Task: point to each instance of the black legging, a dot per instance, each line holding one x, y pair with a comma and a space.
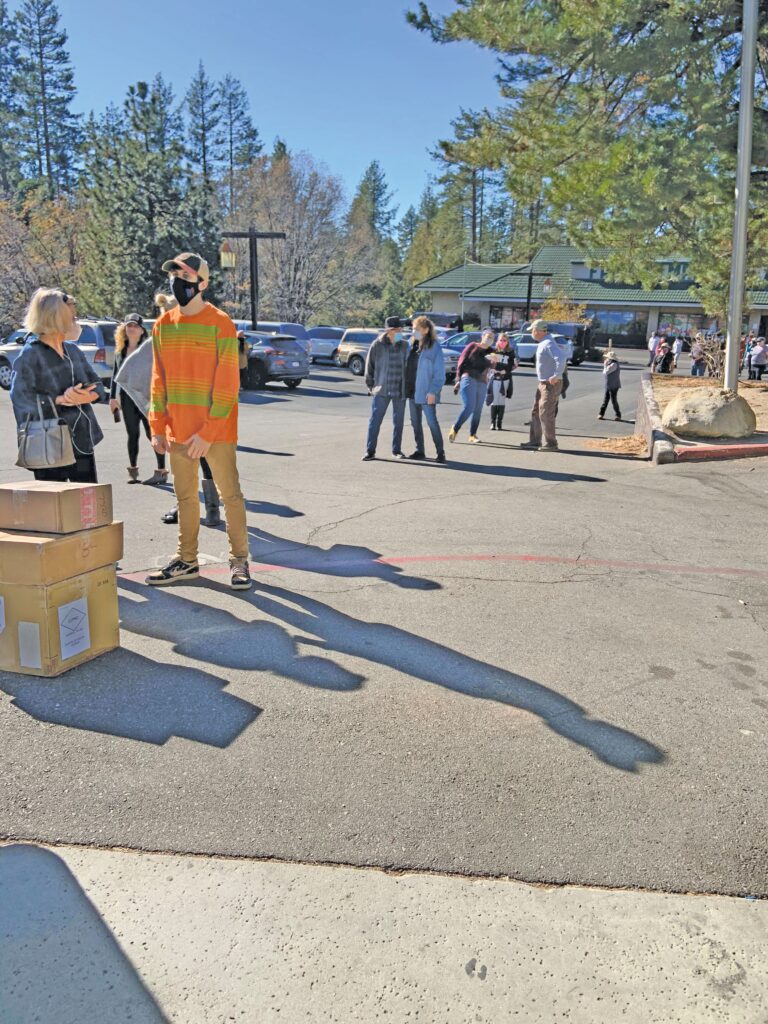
207, 474
134, 421
83, 471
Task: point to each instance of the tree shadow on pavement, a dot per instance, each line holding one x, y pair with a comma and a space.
420, 658
129, 695
509, 471
347, 561
214, 636
59, 961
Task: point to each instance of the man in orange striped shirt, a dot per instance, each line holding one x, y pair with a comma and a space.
193, 415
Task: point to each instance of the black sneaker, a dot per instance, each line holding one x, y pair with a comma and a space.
175, 572
440, 457
369, 456
240, 574
530, 444
398, 455
417, 455
171, 517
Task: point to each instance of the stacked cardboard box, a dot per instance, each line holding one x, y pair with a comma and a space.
58, 585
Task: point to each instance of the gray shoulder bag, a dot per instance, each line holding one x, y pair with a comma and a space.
44, 443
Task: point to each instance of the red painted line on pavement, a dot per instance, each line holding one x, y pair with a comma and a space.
327, 567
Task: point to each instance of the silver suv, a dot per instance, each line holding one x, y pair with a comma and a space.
353, 348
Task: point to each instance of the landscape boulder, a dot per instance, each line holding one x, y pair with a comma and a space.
709, 412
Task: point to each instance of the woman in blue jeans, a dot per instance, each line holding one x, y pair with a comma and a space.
471, 374
429, 380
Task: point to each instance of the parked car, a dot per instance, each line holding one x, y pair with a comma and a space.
297, 331
451, 358
278, 357
526, 346
353, 348
460, 341
579, 334
324, 342
97, 342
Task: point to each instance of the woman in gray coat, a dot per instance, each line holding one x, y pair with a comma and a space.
612, 377
430, 378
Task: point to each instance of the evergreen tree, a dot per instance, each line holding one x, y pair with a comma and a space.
241, 142
406, 230
373, 200
50, 132
9, 104
279, 149
204, 128
138, 198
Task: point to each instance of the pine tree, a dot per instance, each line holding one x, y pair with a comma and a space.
373, 200
9, 103
406, 230
204, 132
50, 132
139, 199
241, 140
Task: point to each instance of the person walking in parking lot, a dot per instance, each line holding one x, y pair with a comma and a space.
193, 413
385, 380
612, 379
551, 360
471, 383
500, 381
128, 336
427, 365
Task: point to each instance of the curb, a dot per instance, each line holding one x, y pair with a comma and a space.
711, 452
661, 447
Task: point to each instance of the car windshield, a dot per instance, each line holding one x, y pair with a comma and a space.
89, 336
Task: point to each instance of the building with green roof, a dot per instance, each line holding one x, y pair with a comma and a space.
495, 294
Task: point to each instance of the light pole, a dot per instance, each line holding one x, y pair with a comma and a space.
743, 172
227, 257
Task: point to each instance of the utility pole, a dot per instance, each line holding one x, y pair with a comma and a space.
743, 173
253, 253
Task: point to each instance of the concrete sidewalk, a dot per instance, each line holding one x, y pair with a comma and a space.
95, 937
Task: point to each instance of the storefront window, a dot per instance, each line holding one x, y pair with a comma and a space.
618, 321
684, 323
506, 318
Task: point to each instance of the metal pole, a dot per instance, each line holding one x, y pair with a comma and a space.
252, 242
529, 296
743, 172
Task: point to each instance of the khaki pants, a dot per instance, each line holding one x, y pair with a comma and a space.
186, 475
544, 412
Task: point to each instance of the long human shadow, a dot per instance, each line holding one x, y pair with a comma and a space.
59, 961
348, 561
423, 659
217, 637
129, 695
269, 508
314, 392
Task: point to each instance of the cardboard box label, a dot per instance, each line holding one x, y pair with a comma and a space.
88, 514
30, 655
2, 613
74, 628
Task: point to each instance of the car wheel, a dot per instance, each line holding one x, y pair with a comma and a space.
257, 376
334, 357
6, 372
356, 365
293, 383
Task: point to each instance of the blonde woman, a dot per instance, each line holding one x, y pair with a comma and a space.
128, 337
53, 368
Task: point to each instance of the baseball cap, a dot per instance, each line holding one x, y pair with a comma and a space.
189, 261
134, 318
539, 325
392, 322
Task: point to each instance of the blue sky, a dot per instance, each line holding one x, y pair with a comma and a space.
347, 80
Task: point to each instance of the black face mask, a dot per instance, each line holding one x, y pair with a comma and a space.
184, 291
